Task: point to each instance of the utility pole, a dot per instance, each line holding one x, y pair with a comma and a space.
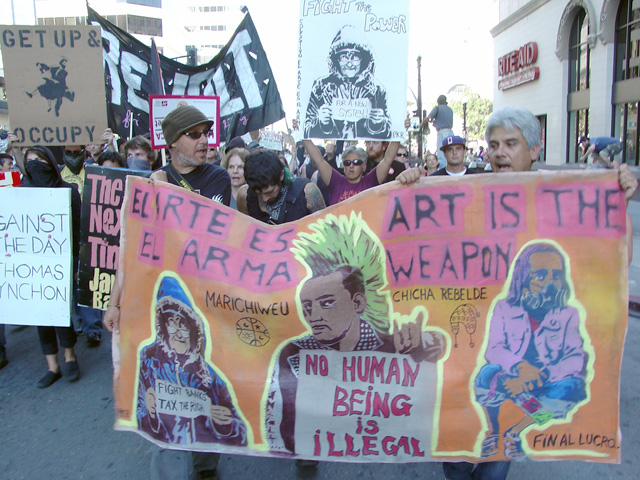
420, 109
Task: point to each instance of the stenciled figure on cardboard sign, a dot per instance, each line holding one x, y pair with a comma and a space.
346, 307
536, 348
173, 370
349, 102
54, 86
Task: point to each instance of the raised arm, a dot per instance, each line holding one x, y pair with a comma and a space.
325, 170
382, 170
16, 151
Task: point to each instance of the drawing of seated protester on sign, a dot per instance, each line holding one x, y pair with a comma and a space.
181, 399
346, 308
537, 349
349, 102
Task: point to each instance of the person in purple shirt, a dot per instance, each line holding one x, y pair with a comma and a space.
354, 160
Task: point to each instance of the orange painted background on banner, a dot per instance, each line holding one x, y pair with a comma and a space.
459, 219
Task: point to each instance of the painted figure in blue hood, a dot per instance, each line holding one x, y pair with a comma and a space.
181, 398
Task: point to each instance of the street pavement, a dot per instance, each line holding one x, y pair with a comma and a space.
66, 431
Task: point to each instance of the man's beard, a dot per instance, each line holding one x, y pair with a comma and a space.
187, 161
538, 303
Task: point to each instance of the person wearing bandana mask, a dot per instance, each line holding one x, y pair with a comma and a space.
88, 320
73, 171
41, 170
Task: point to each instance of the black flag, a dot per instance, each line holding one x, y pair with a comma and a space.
240, 75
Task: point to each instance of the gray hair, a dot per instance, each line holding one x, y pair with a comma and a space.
360, 152
512, 118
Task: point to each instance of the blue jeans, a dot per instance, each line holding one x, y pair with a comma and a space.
442, 134
476, 471
558, 397
88, 318
91, 319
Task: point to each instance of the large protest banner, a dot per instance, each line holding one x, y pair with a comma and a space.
102, 198
36, 267
475, 318
240, 75
360, 91
54, 83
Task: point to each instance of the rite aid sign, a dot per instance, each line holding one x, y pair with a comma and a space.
516, 66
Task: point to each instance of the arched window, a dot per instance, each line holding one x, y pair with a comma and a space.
579, 71
626, 92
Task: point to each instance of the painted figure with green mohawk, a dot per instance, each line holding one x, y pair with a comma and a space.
346, 306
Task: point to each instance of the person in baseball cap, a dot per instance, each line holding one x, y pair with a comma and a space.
453, 148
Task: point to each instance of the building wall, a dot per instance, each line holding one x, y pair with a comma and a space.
548, 23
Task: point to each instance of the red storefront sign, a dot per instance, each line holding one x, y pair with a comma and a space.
516, 63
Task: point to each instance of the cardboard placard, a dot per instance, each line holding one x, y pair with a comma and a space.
55, 83
161, 105
35, 256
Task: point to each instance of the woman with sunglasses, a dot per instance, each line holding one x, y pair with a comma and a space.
41, 170
354, 161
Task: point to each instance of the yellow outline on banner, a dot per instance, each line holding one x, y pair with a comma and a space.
587, 346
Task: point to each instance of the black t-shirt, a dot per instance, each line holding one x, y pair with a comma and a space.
208, 180
396, 169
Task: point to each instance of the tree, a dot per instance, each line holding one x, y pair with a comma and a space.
478, 111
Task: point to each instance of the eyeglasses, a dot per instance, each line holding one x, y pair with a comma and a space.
357, 162
402, 154
196, 135
182, 331
349, 57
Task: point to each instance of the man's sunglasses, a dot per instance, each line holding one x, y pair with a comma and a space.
197, 135
357, 162
402, 154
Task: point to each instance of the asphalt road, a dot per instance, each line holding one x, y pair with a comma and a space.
65, 431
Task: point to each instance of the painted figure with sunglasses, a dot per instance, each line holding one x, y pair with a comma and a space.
350, 80
176, 359
354, 180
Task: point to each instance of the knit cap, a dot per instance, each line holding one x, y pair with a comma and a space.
181, 119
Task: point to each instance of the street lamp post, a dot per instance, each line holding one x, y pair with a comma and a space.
419, 104
465, 100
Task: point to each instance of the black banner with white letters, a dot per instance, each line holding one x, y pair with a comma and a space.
240, 75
